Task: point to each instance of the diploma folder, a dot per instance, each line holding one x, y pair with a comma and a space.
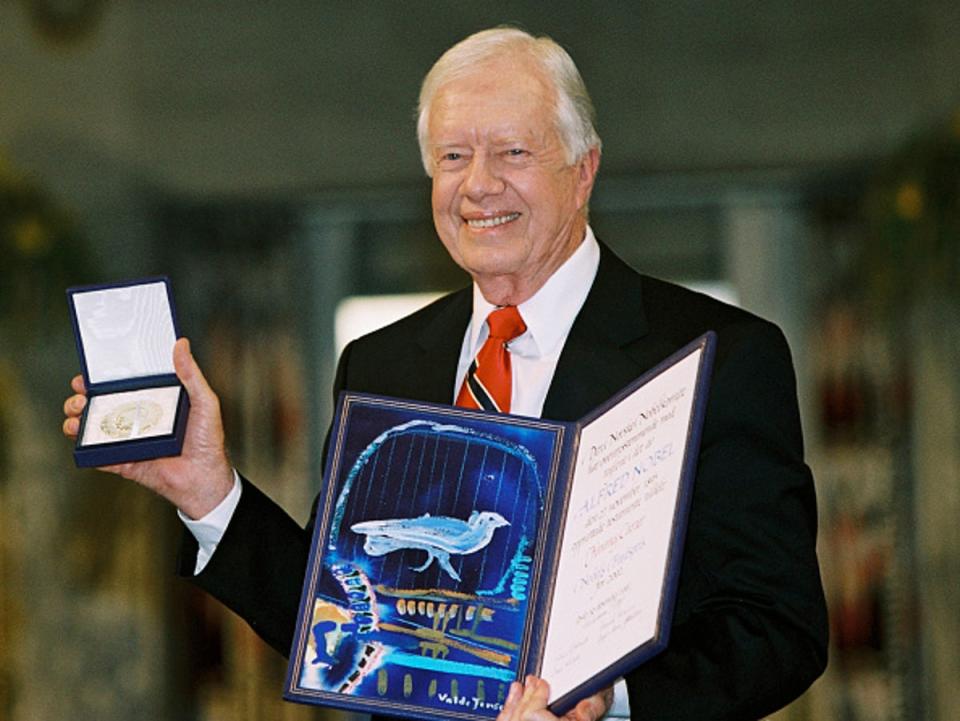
455, 551
136, 406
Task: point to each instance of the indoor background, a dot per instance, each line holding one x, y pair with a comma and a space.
800, 158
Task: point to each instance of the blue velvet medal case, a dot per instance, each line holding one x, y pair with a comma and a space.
136, 408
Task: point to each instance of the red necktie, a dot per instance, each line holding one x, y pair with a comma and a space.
488, 383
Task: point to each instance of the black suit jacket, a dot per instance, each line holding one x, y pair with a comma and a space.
750, 629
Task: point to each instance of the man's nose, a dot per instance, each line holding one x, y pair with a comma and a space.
482, 177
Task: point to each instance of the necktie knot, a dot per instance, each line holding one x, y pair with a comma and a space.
488, 383
505, 323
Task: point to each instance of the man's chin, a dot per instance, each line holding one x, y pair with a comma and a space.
492, 262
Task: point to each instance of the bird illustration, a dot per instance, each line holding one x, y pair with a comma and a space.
439, 536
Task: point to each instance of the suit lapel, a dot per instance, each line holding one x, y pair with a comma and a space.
606, 348
438, 345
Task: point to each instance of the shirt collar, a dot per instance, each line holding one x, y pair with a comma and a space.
550, 313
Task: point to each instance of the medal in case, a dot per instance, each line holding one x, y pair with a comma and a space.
137, 409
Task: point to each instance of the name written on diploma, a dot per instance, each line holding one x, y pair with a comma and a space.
609, 490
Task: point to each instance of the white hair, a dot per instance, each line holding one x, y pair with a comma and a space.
574, 110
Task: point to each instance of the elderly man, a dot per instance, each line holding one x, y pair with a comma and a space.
507, 135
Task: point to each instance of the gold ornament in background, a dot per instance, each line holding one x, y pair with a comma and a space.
42, 251
912, 213
31, 237
909, 201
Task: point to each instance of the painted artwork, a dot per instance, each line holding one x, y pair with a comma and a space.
425, 555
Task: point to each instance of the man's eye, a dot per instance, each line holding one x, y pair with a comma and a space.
515, 152
451, 156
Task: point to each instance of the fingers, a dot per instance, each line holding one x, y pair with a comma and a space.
536, 693
189, 373
512, 701
586, 710
71, 427
73, 407
592, 707
76, 383
527, 702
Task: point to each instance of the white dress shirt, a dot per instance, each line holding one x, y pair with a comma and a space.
549, 315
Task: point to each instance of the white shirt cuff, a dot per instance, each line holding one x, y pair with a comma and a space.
210, 529
621, 703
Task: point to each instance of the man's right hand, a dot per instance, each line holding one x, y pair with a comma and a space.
528, 702
199, 478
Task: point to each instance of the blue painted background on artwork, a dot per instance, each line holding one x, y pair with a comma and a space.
423, 500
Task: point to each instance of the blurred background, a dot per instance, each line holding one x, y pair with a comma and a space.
799, 158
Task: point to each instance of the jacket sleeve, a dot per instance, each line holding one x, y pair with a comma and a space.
750, 628
258, 568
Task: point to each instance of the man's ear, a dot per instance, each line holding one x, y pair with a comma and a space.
587, 168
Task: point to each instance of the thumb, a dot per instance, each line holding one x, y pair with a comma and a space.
189, 373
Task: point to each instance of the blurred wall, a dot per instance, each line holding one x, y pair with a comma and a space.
211, 97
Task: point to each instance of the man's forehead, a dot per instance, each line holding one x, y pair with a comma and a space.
500, 103
496, 81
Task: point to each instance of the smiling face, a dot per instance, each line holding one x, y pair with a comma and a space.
507, 205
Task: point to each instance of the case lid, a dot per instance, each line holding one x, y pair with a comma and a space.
125, 330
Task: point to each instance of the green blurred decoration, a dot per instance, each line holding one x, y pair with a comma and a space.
912, 213
64, 22
43, 251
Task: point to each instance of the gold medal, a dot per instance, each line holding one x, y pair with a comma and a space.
131, 419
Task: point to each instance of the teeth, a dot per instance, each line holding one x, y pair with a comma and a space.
492, 222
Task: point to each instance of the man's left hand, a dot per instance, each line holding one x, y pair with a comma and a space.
528, 702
